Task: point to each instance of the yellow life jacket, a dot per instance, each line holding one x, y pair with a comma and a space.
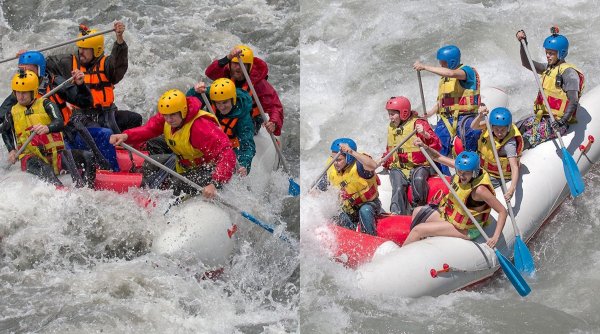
557, 98
355, 190
488, 162
454, 99
188, 157
47, 146
452, 212
403, 158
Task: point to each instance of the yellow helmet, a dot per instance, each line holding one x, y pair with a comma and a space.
247, 55
223, 89
25, 81
173, 101
96, 43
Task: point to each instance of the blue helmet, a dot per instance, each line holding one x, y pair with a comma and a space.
450, 54
34, 58
558, 43
335, 147
500, 117
468, 162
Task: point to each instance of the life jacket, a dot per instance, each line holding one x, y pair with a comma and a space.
64, 107
557, 98
95, 77
47, 146
404, 157
452, 212
355, 190
454, 100
255, 111
488, 162
188, 157
228, 124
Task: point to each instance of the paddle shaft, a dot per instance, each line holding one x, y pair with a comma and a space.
314, 184
63, 43
422, 94
462, 205
207, 103
262, 114
387, 156
541, 89
500, 171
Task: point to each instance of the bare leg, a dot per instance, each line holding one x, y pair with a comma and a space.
434, 226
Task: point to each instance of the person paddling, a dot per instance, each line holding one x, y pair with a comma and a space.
407, 165
353, 173
203, 151
474, 187
563, 84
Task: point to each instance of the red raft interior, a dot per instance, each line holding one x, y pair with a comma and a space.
129, 176
354, 248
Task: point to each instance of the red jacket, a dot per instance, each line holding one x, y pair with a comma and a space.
266, 93
205, 136
418, 157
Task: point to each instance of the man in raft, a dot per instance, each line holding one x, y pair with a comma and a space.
203, 151
457, 102
509, 145
407, 165
562, 83
473, 186
354, 174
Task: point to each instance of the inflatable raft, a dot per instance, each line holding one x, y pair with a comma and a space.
439, 265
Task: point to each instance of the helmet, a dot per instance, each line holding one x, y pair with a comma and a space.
223, 89
247, 55
96, 43
173, 101
449, 54
34, 58
500, 117
558, 43
400, 104
468, 162
25, 81
335, 147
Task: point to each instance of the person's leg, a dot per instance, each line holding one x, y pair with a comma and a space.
150, 172
101, 138
44, 171
399, 204
86, 162
433, 228
445, 139
201, 176
68, 164
158, 145
127, 119
345, 220
90, 141
420, 187
367, 215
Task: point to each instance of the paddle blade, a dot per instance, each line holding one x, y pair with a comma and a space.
513, 275
523, 260
294, 188
574, 179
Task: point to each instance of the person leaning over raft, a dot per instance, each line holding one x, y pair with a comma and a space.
203, 151
457, 102
509, 145
473, 186
562, 83
354, 174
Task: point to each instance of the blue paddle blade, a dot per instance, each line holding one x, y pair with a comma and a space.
513, 275
574, 179
523, 260
294, 188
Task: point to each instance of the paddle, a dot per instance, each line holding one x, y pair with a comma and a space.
572, 174
511, 272
180, 177
63, 43
314, 184
422, 95
294, 188
522, 256
30, 138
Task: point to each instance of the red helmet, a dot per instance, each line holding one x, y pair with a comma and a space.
400, 104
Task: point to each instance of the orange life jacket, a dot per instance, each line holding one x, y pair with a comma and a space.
95, 77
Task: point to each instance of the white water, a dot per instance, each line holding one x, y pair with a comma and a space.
355, 55
81, 261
